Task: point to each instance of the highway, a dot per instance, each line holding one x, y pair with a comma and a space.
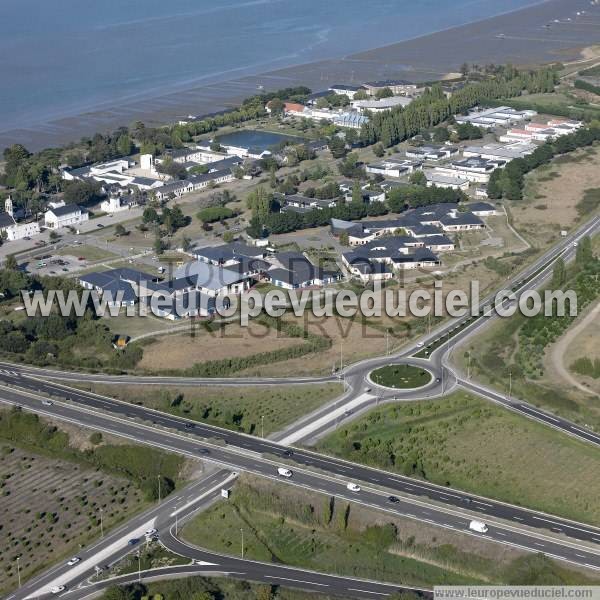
538, 532
574, 542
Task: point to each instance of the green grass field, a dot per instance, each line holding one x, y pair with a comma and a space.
467, 443
401, 377
310, 530
237, 408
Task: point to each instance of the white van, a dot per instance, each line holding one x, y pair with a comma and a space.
478, 526
284, 472
353, 487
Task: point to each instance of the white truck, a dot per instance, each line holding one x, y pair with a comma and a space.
478, 526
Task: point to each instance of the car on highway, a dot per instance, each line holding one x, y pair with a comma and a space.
57, 589
478, 526
283, 472
420, 344
189, 425
393, 499
100, 226
202, 450
133, 541
47, 402
151, 532
74, 561
353, 487
287, 453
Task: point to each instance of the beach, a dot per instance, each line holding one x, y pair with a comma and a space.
547, 32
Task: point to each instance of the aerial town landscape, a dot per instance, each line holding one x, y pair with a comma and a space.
302, 335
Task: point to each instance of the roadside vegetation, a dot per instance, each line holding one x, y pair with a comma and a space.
470, 444
255, 410
146, 467
514, 349
314, 531
57, 486
204, 588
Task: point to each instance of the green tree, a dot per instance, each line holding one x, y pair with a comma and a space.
418, 178
120, 231
344, 238
125, 145
228, 237
386, 92
10, 262
357, 195
559, 274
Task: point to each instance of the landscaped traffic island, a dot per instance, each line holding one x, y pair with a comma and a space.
401, 377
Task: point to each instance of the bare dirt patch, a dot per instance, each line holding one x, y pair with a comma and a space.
182, 350
552, 194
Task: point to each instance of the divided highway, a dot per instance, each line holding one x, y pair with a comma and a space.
538, 532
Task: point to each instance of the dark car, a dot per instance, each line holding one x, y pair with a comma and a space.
393, 499
133, 541
203, 451
288, 453
189, 426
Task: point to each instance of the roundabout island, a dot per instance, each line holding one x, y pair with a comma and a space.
401, 377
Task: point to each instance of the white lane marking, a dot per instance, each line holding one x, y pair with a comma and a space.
540, 413
296, 580
586, 432
367, 592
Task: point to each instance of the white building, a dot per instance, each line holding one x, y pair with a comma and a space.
13, 230
65, 216
393, 167
382, 105
443, 180
345, 90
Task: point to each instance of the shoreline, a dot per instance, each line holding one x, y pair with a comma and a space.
423, 58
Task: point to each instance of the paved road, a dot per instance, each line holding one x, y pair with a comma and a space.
538, 532
456, 507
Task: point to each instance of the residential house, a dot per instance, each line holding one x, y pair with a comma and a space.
68, 215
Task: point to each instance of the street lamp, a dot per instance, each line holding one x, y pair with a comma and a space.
176, 520
158, 478
19, 570
262, 425
139, 557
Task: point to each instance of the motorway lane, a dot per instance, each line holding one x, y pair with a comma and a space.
455, 515
306, 458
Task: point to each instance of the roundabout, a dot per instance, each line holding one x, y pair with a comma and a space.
401, 377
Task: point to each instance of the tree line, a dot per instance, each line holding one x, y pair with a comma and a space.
432, 108
509, 182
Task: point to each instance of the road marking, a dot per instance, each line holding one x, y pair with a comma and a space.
540, 413
586, 432
367, 592
296, 580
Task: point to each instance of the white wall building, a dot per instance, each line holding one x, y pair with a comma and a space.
68, 215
